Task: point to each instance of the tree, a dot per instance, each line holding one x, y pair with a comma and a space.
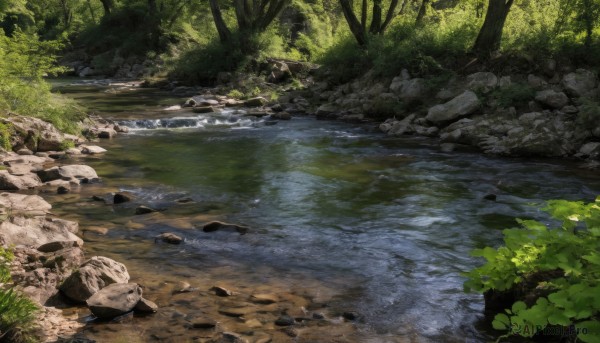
490, 36
377, 26
253, 17
107, 5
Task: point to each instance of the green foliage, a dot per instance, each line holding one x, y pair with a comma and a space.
236, 94
570, 257
5, 134
515, 94
589, 113
16, 311
24, 61
424, 49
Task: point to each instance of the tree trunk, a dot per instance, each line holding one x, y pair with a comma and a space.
222, 29
490, 36
107, 5
376, 17
422, 11
355, 26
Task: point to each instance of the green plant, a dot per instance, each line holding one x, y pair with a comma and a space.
236, 94
559, 268
5, 134
66, 145
515, 94
16, 311
589, 113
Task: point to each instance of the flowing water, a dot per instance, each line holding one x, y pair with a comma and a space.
342, 218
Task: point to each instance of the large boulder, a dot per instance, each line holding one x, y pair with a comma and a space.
114, 300
395, 127
255, 102
279, 71
10, 182
579, 83
93, 275
24, 230
482, 82
552, 98
35, 134
408, 90
590, 150
461, 106
24, 204
76, 172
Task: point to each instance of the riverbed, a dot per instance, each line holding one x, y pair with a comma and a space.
342, 218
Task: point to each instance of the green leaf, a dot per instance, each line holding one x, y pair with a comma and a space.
501, 322
518, 306
589, 331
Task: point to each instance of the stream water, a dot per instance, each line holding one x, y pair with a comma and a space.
342, 218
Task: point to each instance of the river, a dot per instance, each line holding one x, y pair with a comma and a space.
342, 218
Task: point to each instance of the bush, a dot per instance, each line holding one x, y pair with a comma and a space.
16, 311
568, 259
24, 61
515, 94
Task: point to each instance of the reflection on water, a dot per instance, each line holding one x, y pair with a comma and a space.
347, 218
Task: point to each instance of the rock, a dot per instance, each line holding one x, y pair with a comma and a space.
9, 182
535, 81
24, 204
230, 337
221, 291
350, 315
57, 245
122, 197
235, 311
73, 151
77, 172
255, 102
217, 225
106, 133
447, 147
483, 82
145, 306
92, 149
37, 230
87, 71
462, 105
490, 196
203, 323
114, 300
318, 315
63, 190
579, 83
505, 81
35, 134
279, 72
203, 109
24, 151
144, 210
399, 127
264, 299
552, 98
408, 90
285, 320
281, 116
326, 110
169, 237
93, 275
590, 150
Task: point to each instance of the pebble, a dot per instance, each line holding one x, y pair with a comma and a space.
221, 291
285, 320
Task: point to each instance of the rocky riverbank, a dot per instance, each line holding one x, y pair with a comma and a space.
50, 265
553, 111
